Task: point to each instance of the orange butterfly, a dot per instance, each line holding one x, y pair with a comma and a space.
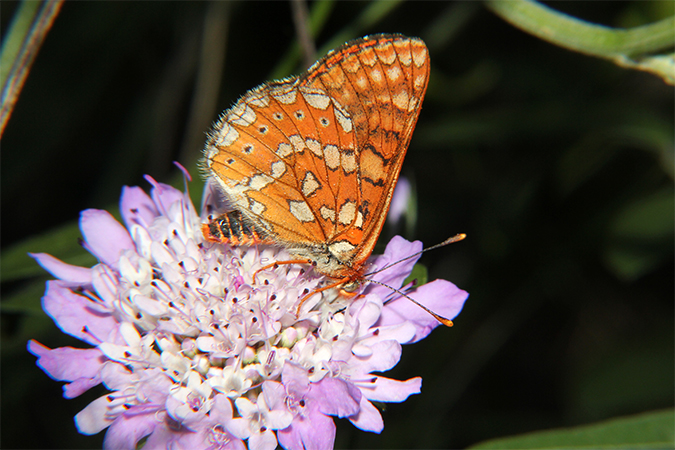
310, 162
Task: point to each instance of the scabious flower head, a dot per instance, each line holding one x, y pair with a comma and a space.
196, 355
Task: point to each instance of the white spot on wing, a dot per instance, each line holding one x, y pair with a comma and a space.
316, 99
259, 181
298, 143
401, 100
258, 99
344, 120
278, 168
419, 81
301, 211
314, 146
241, 114
358, 223
362, 82
327, 213
347, 212
348, 162
284, 94
393, 73
403, 52
309, 184
332, 156
341, 249
256, 207
385, 53
227, 135
284, 149
420, 57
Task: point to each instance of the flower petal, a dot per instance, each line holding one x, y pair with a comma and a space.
368, 418
137, 207
67, 363
440, 296
128, 429
385, 355
313, 431
383, 389
63, 271
72, 314
263, 441
104, 236
93, 418
397, 250
336, 397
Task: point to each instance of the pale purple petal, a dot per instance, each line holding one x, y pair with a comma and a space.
67, 363
263, 441
382, 389
65, 272
104, 236
164, 195
274, 393
128, 429
336, 397
295, 379
137, 207
397, 250
440, 296
80, 386
400, 200
164, 437
93, 418
314, 431
368, 418
72, 314
385, 355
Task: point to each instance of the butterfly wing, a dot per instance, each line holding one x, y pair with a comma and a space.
312, 161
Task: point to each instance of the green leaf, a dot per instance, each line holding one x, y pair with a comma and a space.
641, 235
419, 273
646, 430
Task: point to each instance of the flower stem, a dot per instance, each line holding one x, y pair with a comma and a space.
30, 25
623, 46
585, 37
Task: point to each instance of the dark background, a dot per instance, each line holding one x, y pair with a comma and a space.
557, 165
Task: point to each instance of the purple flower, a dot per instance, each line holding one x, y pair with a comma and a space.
196, 355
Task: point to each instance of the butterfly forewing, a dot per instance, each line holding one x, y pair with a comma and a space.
311, 162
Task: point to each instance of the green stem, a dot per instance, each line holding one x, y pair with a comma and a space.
31, 23
584, 37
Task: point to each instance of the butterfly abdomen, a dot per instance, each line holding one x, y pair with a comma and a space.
231, 228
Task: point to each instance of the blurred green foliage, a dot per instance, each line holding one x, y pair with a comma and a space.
557, 165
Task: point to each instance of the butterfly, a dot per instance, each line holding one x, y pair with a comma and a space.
310, 162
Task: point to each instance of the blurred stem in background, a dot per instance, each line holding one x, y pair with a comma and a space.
631, 48
29, 28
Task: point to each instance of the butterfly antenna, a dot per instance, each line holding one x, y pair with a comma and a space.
450, 240
441, 319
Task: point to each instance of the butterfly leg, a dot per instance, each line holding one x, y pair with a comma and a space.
316, 291
278, 263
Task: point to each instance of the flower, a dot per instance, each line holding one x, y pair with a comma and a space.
197, 355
